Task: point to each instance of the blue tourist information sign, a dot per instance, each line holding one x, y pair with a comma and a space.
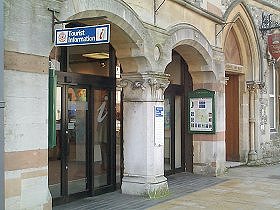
98, 34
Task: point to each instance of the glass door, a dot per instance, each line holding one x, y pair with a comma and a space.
104, 145
77, 130
68, 159
55, 152
168, 147
173, 139
101, 134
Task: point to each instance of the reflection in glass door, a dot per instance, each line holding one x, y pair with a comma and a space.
101, 135
173, 134
82, 153
77, 115
55, 151
119, 146
68, 158
167, 134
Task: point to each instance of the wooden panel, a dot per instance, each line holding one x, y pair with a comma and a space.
232, 118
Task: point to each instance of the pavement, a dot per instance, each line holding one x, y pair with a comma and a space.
247, 188
241, 188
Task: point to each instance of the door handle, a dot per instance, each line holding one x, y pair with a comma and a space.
68, 140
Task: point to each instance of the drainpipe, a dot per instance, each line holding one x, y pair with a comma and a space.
2, 186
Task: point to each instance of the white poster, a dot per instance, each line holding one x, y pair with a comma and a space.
201, 116
159, 125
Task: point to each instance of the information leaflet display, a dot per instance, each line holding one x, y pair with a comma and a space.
201, 112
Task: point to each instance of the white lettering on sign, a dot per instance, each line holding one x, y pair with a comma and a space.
159, 125
81, 39
77, 33
83, 35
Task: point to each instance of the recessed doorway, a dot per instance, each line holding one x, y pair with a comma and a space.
85, 157
178, 145
232, 118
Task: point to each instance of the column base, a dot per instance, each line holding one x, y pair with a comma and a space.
153, 187
209, 169
252, 156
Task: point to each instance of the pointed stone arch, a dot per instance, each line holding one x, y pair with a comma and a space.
243, 68
244, 32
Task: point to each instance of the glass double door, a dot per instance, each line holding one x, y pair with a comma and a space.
83, 159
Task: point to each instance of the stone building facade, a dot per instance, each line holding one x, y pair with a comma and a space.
165, 50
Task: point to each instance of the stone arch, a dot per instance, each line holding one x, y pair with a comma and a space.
133, 39
240, 36
191, 44
243, 28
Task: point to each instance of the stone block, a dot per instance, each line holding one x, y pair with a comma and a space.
145, 186
34, 192
12, 203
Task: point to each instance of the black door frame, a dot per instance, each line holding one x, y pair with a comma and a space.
171, 92
186, 138
64, 138
91, 82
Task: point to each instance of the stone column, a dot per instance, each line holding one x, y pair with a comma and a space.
143, 159
251, 86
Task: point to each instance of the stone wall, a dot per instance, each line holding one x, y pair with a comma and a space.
271, 149
27, 38
269, 142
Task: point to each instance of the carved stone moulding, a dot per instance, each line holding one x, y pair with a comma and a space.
147, 86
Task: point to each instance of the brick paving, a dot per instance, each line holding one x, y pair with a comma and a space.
247, 188
179, 185
242, 188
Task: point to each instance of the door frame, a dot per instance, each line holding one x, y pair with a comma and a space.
188, 143
64, 144
171, 92
187, 138
235, 149
91, 82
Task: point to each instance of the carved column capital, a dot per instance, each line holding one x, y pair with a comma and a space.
253, 86
147, 86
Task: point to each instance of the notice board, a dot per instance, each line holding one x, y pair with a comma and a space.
201, 111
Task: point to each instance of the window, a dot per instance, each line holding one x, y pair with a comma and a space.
272, 97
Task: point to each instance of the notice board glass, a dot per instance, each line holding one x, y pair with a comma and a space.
201, 111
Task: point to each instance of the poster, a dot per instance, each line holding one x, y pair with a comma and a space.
201, 112
159, 125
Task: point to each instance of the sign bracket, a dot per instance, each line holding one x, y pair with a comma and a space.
54, 18
267, 24
56, 21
